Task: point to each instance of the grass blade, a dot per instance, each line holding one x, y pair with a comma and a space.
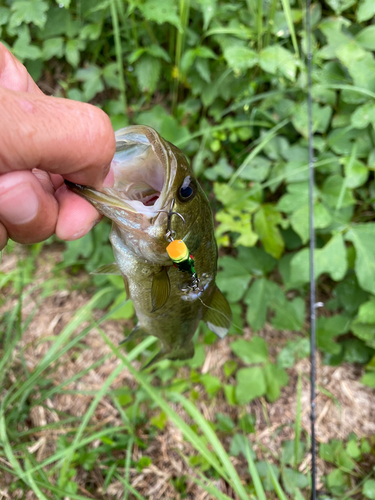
289, 20
215, 443
297, 425
276, 484
266, 139
254, 474
119, 55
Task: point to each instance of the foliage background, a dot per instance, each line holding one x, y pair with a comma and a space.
226, 82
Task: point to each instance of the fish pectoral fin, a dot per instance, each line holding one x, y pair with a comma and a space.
137, 333
108, 269
218, 316
184, 352
160, 289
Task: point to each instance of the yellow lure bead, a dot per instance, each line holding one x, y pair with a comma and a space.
177, 251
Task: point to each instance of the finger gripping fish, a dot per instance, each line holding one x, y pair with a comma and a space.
168, 263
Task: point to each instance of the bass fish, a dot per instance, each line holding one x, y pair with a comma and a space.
163, 241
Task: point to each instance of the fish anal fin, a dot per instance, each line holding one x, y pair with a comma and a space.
137, 333
108, 269
160, 289
218, 316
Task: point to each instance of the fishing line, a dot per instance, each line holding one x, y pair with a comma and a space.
223, 314
313, 304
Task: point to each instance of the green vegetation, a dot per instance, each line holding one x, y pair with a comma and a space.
226, 82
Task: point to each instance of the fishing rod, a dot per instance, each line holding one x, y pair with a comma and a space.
313, 304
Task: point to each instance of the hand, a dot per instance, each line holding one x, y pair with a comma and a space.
43, 140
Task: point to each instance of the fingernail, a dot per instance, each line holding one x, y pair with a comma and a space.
18, 203
109, 180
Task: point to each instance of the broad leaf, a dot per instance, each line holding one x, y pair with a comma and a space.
363, 238
251, 384
266, 221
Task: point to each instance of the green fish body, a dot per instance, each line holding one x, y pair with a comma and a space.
151, 176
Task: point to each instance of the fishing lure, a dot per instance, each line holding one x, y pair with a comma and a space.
179, 253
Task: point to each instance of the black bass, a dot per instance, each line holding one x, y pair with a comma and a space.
168, 262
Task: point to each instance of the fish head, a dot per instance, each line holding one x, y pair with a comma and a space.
152, 177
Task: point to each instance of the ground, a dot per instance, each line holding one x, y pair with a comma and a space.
343, 407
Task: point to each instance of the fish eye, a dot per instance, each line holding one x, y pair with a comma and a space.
187, 190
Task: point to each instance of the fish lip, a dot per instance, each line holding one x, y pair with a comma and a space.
105, 197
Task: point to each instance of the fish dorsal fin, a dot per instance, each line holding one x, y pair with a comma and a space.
218, 316
108, 269
160, 289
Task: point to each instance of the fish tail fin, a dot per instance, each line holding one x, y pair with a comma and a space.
137, 333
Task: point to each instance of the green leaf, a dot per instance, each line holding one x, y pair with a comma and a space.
261, 295
124, 312
234, 278
23, 49
293, 479
349, 294
208, 8
369, 380
165, 12
321, 118
253, 351
265, 223
342, 140
275, 59
91, 31
363, 116
250, 384
257, 170
334, 190
330, 259
363, 238
290, 315
276, 377
72, 50
330, 328
28, 11
92, 81
240, 58
369, 489
256, 260
300, 220
297, 196
147, 71
366, 37
356, 173
53, 47
365, 10
340, 5
111, 75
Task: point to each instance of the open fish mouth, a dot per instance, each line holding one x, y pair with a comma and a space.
142, 175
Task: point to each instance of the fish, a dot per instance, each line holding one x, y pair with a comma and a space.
163, 241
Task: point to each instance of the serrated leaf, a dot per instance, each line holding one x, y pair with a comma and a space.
363, 238
240, 58
28, 11
147, 71
330, 259
266, 221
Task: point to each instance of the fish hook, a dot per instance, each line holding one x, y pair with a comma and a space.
169, 233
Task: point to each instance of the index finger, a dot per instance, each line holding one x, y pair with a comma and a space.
61, 136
